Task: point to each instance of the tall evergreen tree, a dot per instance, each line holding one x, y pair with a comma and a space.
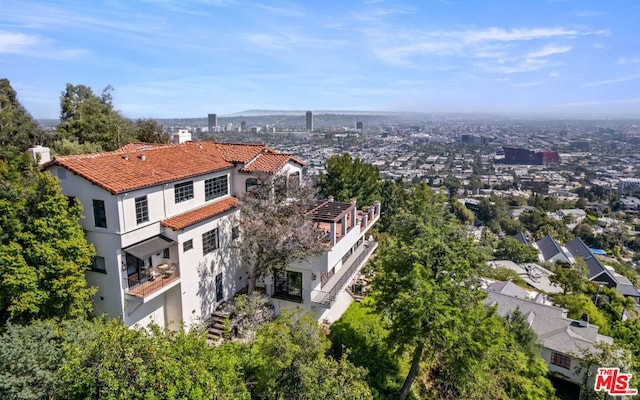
88, 118
43, 251
348, 178
18, 130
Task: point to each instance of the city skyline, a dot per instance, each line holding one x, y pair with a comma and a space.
183, 59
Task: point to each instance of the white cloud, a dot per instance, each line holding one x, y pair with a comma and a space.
286, 39
549, 50
625, 60
16, 42
399, 46
612, 81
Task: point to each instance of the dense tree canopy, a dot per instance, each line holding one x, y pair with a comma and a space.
510, 249
287, 361
150, 131
347, 178
18, 130
43, 251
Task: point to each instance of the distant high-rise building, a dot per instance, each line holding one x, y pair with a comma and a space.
243, 126
213, 122
309, 118
359, 126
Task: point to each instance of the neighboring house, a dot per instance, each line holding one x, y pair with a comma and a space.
522, 238
562, 339
163, 220
577, 215
599, 272
551, 251
535, 276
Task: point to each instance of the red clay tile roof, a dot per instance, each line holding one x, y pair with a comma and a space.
124, 169
200, 214
242, 153
270, 163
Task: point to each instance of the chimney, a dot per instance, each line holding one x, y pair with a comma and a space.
40, 154
182, 136
584, 321
330, 198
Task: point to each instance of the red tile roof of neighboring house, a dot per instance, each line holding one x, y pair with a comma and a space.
200, 214
269, 162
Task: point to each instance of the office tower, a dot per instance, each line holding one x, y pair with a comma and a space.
213, 122
359, 126
309, 118
243, 126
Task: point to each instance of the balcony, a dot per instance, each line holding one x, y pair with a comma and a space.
336, 284
146, 285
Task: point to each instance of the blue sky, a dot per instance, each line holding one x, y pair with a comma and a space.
187, 58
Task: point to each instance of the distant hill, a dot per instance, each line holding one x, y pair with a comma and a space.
263, 113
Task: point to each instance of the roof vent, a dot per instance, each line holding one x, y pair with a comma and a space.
142, 157
125, 157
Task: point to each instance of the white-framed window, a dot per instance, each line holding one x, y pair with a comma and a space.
183, 191
210, 241
216, 187
142, 209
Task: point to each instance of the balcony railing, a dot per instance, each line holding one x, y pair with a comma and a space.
337, 282
156, 280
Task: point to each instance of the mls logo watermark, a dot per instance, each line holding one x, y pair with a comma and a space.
614, 382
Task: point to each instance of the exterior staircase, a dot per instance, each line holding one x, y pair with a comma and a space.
216, 325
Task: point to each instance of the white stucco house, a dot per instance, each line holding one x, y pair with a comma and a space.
163, 219
562, 340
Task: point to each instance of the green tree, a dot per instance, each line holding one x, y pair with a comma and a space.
585, 232
43, 251
520, 253
571, 278
540, 224
276, 228
18, 130
287, 361
151, 131
361, 336
113, 361
87, 117
392, 195
462, 213
348, 178
426, 281
30, 356
579, 304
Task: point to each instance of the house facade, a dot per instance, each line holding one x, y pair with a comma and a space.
164, 222
563, 341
